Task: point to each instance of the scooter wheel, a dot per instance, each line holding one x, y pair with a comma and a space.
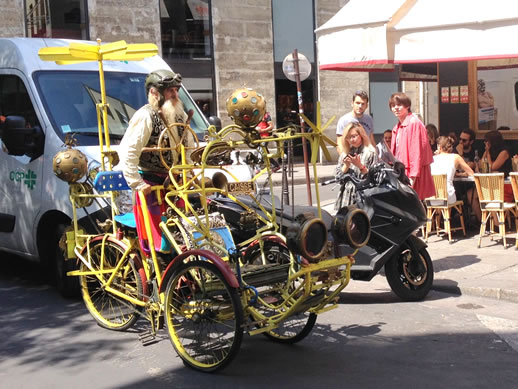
410, 278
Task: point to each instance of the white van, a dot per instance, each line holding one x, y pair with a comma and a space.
43, 103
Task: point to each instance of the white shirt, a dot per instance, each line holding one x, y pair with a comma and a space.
445, 164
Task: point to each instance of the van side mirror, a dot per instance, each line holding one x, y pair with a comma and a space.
20, 140
215, 121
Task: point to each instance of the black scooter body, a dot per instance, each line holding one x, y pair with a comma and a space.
395, 212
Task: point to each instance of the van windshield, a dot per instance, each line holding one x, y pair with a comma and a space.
69, 98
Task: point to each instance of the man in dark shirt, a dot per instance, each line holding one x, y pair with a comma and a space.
465, 147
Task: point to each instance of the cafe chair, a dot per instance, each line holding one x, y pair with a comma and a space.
514, 182
490, 189
438, 207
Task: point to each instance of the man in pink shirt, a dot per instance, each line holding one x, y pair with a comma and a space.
410, 146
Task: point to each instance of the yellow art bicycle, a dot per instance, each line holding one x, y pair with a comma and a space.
206, 256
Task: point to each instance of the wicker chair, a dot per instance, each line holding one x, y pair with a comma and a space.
514, 182
438, 206
490, 189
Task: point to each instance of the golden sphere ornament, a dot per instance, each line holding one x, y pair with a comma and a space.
246, 107
70, 165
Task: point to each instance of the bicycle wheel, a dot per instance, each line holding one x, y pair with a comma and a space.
293, 329
108, 310
204, 316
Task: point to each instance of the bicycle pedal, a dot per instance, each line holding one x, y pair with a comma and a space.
147, 338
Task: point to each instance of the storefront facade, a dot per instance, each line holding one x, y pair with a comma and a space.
216, 45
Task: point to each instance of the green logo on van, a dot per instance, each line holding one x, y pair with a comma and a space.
28, 178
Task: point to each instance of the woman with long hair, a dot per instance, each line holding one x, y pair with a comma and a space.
499, 159
447, 162
358, 155
433, 134
497, 153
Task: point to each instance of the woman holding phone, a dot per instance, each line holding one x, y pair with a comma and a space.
357, 157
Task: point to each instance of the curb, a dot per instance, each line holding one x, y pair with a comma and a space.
452, 287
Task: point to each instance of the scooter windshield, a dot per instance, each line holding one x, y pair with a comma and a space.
70, 98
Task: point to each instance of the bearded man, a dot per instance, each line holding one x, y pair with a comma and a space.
142, 169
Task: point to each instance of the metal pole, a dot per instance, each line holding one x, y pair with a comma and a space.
285, 190
301, 110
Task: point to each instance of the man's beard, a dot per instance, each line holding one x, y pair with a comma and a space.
171, 110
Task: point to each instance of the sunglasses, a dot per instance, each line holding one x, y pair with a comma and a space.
463, 140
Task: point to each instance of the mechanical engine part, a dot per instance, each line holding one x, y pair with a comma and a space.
352, 226
77, 189
307, 236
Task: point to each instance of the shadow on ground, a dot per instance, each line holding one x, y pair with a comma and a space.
454, 262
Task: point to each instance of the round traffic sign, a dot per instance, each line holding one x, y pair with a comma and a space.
288, 67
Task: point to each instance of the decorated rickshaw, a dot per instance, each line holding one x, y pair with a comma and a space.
270, 270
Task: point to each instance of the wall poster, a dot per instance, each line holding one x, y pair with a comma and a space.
445, 95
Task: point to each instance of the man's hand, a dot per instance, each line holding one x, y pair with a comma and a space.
146, 189
460, 149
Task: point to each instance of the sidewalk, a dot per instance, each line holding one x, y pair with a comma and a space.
461, 267
325, 172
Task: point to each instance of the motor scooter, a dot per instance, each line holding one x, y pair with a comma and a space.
395, 213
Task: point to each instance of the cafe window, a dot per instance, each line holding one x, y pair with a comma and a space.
185, 28
56, 19
497, 96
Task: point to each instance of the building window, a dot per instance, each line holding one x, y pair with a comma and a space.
186, 47
56, 19
185, 28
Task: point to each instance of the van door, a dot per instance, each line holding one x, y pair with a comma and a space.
22, 178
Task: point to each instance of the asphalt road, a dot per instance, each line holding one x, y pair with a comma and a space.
372, 340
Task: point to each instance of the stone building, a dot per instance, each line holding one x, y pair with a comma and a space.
217, 45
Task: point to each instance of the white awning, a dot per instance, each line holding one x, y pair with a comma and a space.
375, 35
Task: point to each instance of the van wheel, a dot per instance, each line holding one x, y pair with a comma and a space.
67, 286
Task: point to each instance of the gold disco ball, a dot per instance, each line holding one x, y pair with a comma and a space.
246, 107
70, 165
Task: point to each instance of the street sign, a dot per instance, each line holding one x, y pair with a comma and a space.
288, 67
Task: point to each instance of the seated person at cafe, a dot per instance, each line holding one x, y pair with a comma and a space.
383, 148
433, 134
465, 147
499, 159
445, 161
